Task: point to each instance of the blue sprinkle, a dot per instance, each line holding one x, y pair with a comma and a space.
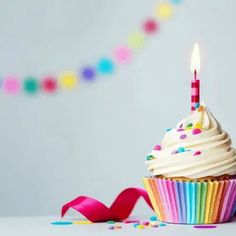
153, 218
62, 223
181, 149
162, 224
197, 105
167, 130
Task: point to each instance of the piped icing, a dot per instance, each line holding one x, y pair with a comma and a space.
196, 148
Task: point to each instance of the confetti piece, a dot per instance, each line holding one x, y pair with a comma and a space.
153, 218
136, 224
189, 125
181, 149
180, 130
183, 136
136, 40
205, 226
169, 129
31, 85
105, 66
49, 84
196, 131
68, 80
157, 147
150, 26
197, 153
62, 223
196, 105
164, 11
140, 227
88, 73
123, 54
11, 85
82, 222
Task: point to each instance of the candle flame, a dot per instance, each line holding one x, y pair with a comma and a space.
195, 60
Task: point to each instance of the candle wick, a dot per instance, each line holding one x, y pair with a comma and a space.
195, 74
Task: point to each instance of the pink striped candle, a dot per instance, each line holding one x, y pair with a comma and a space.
195, 83
195, 91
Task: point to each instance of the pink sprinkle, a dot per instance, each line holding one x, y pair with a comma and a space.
183, 136
131, 221
157, 147
197, 153
196, 131
180, 129
145, 223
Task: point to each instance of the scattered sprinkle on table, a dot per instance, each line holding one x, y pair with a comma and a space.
62, 223
82, 222
205, 226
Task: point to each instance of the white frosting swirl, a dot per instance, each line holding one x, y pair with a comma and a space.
208, 153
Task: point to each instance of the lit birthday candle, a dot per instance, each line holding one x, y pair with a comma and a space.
195, 83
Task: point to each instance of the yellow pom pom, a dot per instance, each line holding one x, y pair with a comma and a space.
164, 11
68, 80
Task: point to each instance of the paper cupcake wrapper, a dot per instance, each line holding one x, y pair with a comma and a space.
192, 202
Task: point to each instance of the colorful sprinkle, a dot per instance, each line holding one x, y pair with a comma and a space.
197, 105
180, 129
145, 223
183, 136
162, 224
82, 222
157, 147
153, 218
197, 153
201, 108
111, 222
205, 226
181, 149
62, 223
198, 126
131, 221
189, 125
196, 131
140, 226
150, 157
136, 224
150, 26
169, 129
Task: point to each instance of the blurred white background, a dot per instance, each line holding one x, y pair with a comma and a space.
94, 140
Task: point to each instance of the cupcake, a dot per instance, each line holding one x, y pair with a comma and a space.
193, 172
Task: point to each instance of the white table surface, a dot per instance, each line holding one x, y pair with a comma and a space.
41, 226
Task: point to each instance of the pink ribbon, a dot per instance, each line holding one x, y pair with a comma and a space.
95, 211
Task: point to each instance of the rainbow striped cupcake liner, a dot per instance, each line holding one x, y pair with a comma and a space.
192, 202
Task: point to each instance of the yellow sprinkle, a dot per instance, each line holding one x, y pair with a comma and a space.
82, 222
140, 227
198, 126
164, 11
187, 128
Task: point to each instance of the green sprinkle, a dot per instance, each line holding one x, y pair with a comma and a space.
150, 157
162, 224
190, 125
111, 222
167, 130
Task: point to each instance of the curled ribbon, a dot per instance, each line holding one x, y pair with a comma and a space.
95, 211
